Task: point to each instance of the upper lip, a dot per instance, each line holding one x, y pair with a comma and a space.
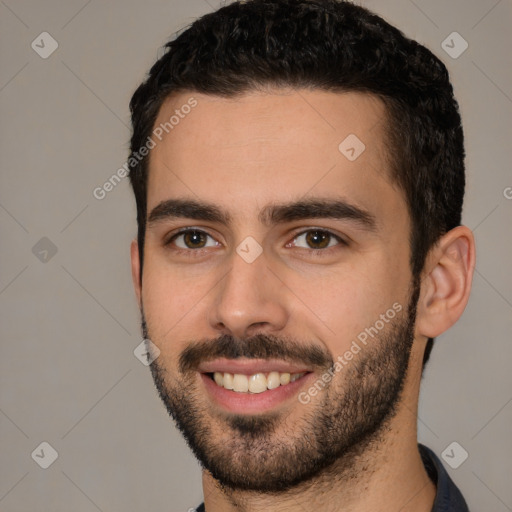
251, 366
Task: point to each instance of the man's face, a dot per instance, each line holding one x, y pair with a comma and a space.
260, 285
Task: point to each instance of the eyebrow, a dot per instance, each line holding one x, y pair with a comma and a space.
272, 214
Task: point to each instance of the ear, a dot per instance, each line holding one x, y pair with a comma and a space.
134, 254
446, 282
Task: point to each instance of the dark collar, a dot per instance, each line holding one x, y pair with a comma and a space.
448, 496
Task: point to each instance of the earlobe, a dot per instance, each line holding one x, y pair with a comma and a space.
135, 263
446, 284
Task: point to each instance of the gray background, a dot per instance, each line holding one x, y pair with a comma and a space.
69, 321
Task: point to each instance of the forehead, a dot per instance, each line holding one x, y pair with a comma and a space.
258, 148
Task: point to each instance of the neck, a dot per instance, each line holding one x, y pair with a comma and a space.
386, 475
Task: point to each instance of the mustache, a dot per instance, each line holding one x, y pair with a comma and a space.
260, 346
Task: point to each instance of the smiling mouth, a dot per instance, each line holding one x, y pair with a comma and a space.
255, 383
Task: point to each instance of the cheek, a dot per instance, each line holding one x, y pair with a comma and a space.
173, 305
343, 304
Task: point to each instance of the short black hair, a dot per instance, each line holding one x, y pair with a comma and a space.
330, 45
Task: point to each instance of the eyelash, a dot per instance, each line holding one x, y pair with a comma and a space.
198, 251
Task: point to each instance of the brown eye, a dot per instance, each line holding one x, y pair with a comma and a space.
317, 239
192, 239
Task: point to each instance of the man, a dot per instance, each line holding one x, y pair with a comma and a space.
298, 168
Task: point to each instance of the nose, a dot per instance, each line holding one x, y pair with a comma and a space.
250, 299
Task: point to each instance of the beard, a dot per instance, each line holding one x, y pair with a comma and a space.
272, 452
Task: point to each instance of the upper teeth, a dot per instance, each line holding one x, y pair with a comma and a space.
256, 383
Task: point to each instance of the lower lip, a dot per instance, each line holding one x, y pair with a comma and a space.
251, 403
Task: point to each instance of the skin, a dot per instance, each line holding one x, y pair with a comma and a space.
261, 148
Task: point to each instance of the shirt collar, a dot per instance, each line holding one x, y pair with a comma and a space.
448, 496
